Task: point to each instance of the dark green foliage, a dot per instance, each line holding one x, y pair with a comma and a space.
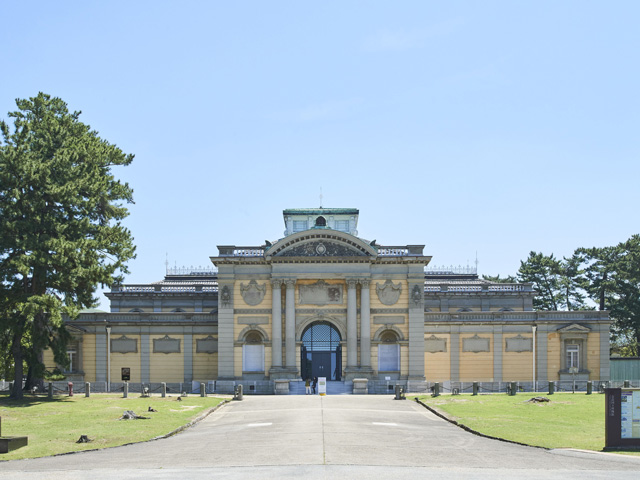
499, 279
60, 213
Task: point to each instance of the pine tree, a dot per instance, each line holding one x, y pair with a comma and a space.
60, 223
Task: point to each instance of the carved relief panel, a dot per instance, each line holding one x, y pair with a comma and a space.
321, 293
253, 294
388, 292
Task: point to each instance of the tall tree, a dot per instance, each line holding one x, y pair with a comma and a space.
499, 279
625, 301
543, 271
60, 217
573, 284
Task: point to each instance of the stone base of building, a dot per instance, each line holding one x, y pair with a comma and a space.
351, 373
360, 386
281, 387
283, 373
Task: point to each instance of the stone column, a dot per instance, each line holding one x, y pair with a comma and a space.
226, 369
352, 325
276, 323
416, 324
365, 324
290, 324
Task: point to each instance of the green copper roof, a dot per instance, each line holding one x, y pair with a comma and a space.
320, 211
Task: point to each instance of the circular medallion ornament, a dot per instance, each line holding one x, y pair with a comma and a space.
321, 249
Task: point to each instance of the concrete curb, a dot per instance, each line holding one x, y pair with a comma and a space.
471, 430
193, 422
196, 420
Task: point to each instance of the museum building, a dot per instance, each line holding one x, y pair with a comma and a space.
322, 302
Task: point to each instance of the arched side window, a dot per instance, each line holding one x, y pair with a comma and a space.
253, 352
321, 222
389, 352
464, 310
505, 309
136, 310
178, 310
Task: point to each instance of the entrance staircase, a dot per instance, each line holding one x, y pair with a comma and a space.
296, 387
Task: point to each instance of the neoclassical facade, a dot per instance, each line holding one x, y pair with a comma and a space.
323, 302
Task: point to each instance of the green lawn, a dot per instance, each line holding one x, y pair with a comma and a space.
567, 421
53, 426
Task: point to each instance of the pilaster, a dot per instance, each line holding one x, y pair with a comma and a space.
365, 324
225, 331
352, 326
290, 324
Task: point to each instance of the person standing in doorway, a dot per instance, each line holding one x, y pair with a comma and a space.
314, 384
307, 386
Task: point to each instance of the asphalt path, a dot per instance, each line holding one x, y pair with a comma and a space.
313, 437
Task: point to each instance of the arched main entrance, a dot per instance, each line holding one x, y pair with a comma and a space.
321, 354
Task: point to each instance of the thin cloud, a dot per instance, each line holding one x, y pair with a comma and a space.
317, 112
401, 40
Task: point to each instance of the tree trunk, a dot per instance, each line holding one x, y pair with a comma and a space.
16, 350
602, 291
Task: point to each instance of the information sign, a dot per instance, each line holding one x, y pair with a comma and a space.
630, 414
622, 425
126, 374
322, 385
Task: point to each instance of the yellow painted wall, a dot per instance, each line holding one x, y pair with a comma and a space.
593, 355
476, 366
404, 359
553, 356
437, 366
166, 367
205, 365
237, 361
403, 302
516, 366
89, 357
47, 358
129, 360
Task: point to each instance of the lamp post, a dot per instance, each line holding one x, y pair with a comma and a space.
108, 329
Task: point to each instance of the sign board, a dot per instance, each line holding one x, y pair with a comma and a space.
126, 374
322, 385
622, 418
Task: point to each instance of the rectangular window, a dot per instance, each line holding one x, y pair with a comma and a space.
573, 357
388, 357
253, 358
73, 362
342, 225
299, 225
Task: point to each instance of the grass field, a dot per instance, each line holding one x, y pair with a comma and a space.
53, 426
567, 421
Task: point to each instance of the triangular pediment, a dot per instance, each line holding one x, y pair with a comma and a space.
321, 244
574, 327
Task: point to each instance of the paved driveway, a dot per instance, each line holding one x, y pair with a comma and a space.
324, 437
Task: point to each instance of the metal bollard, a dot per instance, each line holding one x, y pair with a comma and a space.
50, 391
475, 388
164, 389
589, 387
70, 386
237, 395
436, 389
125, 390
627, 384
203, 392
513, 388
87, 389
552, 387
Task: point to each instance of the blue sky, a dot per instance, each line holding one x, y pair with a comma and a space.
497, 126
